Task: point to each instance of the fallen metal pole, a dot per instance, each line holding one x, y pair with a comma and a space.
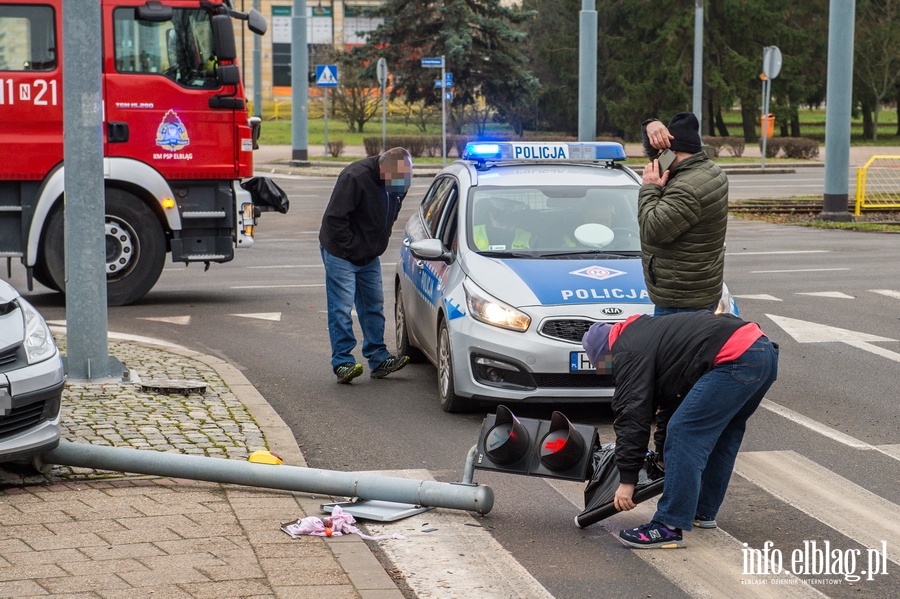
457, 496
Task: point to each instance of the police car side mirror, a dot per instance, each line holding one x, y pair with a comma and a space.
431, 249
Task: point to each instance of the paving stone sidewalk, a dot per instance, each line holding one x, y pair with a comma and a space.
82, 533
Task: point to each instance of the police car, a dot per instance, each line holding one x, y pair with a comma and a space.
513, 253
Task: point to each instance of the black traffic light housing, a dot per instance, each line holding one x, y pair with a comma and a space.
553, 448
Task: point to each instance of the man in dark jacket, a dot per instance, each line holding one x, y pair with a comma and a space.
356, 228
702, 376
682, 216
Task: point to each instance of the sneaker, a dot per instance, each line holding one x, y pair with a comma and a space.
392, 364
704, 521
347, 372
653, 535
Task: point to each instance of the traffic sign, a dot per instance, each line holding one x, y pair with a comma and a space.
771, 62
449, 78
448, 96
382, 71
554, 449
326, 75
432, 63
442, 84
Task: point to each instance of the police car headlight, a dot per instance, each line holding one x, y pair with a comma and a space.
493, 312
39, 343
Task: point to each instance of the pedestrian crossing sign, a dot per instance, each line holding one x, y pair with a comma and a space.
326, 75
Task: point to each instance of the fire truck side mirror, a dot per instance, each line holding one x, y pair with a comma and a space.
223, 37
228, 74
154, 12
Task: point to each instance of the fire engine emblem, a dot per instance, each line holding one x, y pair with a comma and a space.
599, 273
171, 133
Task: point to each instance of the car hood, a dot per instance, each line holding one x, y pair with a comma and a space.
529, 282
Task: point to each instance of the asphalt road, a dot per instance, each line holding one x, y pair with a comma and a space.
831, 299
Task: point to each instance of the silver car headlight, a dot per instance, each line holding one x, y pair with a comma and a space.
491, 311
39, 343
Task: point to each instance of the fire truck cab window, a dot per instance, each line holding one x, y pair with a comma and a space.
27, 38
180, 49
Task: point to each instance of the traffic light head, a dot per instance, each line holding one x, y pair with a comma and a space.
553, 448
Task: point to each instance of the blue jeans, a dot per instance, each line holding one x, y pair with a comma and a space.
705, 433
346, 285
658, 311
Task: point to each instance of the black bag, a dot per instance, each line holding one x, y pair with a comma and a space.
601, 489
266, 194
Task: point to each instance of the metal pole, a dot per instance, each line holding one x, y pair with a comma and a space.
85, 235
764, 122
257, 69
698, 63
587, 72
299, 83
458, 496
383, 117
326, 121
443, 111
838, 104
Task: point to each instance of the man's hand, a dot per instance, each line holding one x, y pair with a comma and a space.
651, 175
658, 135
624, 499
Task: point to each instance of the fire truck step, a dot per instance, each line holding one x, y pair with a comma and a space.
204, 214
204, 257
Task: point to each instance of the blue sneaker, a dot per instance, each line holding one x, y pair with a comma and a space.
704, 521
348, 371
653, 535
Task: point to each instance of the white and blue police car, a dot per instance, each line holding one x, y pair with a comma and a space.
513, 253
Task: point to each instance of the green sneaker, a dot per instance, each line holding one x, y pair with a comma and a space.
347, 372
392, 364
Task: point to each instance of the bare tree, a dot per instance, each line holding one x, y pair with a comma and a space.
877, 59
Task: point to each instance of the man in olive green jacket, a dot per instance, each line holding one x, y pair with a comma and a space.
682, 215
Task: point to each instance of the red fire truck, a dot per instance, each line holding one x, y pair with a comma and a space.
177, 140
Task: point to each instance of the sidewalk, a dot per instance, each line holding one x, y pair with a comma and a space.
85, 533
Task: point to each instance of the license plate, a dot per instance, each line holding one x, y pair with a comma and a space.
578, 362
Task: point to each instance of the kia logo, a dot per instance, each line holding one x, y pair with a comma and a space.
612, 310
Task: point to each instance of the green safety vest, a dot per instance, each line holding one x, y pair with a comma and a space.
521, 240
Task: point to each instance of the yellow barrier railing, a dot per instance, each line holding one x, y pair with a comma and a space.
878, 184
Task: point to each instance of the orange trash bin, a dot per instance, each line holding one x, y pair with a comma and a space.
767, 125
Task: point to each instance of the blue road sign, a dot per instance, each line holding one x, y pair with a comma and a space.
448, 96
326, 75
433, 62
449, 78
438, 84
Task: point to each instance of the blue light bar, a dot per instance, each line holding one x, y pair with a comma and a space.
543, 151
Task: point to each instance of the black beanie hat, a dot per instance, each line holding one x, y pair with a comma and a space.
686, 129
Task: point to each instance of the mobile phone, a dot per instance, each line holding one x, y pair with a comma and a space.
665, 160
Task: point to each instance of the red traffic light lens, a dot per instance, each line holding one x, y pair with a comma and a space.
563, 446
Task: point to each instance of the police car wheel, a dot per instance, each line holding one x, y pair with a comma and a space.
450, 401
404, 347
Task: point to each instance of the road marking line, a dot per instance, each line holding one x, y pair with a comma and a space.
761, 272
820, 493
826, 431
182, 320
761, 296
460, 559
710, 567
834, 294
887, 292
274, 316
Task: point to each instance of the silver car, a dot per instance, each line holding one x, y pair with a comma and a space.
513, 253
31, 380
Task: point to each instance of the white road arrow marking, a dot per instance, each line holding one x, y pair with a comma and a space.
182, 320
834, 294
761, 296
887, 292
276, 316
811, 332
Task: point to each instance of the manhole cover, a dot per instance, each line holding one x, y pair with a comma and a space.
170, 386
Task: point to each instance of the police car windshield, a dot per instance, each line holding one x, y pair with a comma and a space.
553, 221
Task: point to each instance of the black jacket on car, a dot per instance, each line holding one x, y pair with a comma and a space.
357, 222
656, 362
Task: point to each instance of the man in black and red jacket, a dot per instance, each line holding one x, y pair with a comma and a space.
701, 376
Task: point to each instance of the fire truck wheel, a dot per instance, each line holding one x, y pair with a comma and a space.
42, 275
135, 248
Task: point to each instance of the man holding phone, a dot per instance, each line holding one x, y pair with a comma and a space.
683, 213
